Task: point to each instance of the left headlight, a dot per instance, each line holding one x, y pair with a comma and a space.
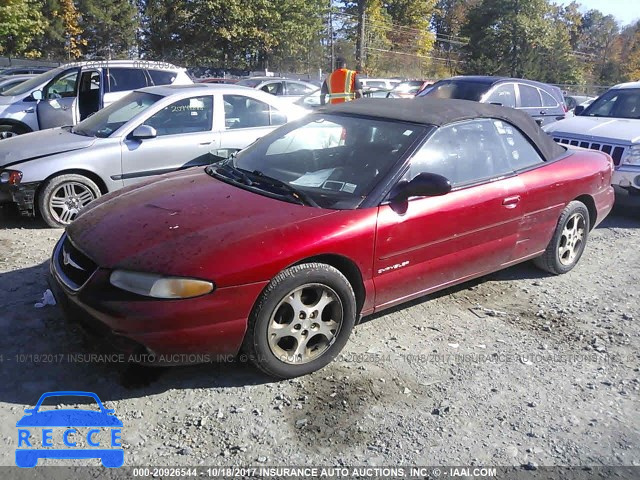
632, 155
12, 177
159, 286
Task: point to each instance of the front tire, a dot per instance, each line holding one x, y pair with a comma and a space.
9, 131
568, 242
301, 321
63, 197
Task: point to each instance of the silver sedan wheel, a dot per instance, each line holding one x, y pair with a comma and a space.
67, 201
572, 238
7, 134
305, 323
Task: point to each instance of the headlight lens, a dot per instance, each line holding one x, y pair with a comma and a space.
632, 155
159, 286
12, 177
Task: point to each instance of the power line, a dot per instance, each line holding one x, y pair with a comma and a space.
417, 55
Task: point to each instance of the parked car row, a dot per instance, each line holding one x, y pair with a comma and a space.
150, 131
68, 94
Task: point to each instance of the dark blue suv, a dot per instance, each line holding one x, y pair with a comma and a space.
543, 102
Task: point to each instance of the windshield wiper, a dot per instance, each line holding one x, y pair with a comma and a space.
227, 171
78, 131
300, 196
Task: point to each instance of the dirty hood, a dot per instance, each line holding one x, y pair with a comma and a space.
32, 146
617, 130
174, 224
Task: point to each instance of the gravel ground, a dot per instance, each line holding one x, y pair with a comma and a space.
517, 368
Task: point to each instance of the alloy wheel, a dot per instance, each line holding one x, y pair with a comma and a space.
305, 323
67, 201
7, 134
572, 239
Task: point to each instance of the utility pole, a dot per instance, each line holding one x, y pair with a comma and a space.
332, 47
360, 40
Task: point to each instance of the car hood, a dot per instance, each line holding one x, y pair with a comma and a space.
69, 418
622, 130
187, 216
41, 144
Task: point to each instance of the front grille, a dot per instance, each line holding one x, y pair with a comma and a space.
616, 152
74, 267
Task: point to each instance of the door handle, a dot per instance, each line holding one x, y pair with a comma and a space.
29, 110
206, 143
543, 112
511, 202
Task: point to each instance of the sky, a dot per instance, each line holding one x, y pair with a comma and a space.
624, 11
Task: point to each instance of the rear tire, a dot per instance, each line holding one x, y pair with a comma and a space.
568, 242
301, 321
63, 197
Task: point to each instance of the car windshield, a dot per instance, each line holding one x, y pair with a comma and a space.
33, 83
250, 82
411, 86
324, 160
106, 121
461, 90
616, 103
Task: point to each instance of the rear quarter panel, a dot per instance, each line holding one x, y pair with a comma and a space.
580, 174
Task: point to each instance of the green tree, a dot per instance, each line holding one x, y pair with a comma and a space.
559, 63
110, 27
598, 35
20, 22
62, 36
506, 37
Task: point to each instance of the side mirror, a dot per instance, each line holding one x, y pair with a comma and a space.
37, 95
423, 185
578, 110
144, 132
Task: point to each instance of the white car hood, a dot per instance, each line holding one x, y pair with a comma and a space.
40, 144
618, 130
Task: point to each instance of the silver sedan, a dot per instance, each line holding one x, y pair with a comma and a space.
149, 132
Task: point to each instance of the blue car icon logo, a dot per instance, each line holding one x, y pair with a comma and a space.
36, 437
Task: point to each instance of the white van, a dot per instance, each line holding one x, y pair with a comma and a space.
70, 93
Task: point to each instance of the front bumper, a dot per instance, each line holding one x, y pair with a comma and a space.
171, 330
626, 177
23, 195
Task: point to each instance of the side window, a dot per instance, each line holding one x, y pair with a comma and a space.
519, 151
297, 88
529, 96
464, 152
63, 86
504, 95
162, 77
548, 100
189, 115
247, 112
274, 88
124, 79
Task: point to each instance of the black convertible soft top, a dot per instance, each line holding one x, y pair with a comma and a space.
438, 111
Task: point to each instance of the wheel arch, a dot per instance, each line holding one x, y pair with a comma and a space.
348, 268
590, 203
78, 171
16, 123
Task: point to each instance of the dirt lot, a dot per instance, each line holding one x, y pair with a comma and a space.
518, 368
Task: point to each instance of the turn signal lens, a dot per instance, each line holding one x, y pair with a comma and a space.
158, 286
12, 177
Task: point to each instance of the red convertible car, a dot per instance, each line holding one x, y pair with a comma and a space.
279, 251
